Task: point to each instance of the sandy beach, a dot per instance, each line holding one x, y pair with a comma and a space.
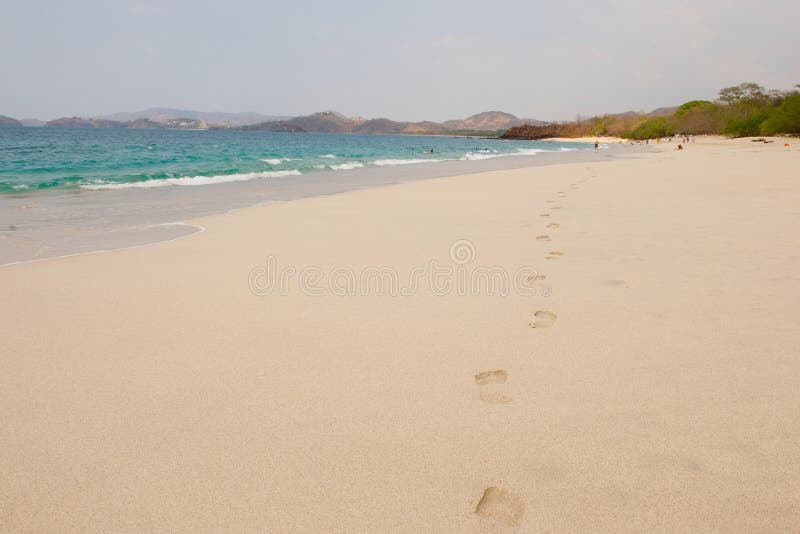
638, 370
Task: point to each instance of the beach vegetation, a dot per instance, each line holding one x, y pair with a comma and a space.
785, 118
698, 117
747, 109
653, 129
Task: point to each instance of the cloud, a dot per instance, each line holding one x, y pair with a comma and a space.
148, 9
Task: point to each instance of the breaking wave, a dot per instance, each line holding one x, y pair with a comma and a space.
388, 162
347, 166
276, 161
192, 180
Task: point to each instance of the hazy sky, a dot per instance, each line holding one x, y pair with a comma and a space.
405, 59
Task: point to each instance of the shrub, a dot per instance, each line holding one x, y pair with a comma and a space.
748, 126
783, 119
698, 117
693, 105
652, 129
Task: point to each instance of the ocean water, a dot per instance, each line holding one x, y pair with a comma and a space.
73, 191
35, 159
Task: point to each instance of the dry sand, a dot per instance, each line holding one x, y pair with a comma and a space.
589, 139
657, 389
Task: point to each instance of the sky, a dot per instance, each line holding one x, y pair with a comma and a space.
405, 59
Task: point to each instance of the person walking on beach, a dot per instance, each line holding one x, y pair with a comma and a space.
596, 145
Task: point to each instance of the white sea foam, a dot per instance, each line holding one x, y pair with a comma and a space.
347, 166
276, 161
388, 162
530, 151
194, 180
330, 156
481, 155
475, 156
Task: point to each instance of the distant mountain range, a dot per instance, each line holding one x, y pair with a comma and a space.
491, 123
209, 117
331, 122
487, 123
8, 122
489, 120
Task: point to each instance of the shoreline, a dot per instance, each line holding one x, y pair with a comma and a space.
41, 238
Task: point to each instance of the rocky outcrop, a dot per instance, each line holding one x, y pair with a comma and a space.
8, 122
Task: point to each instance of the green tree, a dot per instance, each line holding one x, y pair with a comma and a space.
698, 117
783, 119
653, 129
743, 91
599, 127
692, 105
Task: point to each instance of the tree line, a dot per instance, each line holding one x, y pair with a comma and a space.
747, 109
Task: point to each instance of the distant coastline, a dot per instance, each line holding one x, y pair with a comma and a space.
747, 109
486, 124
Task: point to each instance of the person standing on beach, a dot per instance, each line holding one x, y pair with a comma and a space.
596, 145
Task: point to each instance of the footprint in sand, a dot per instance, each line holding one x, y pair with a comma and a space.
544, 215
502, 506
543, 238
556, 208
554, 225
543, 319
554, 255
536, 278
495, 376
488, 380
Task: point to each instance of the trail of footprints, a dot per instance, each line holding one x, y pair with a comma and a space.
497, 503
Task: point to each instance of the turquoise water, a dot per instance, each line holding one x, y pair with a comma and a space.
45, 159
